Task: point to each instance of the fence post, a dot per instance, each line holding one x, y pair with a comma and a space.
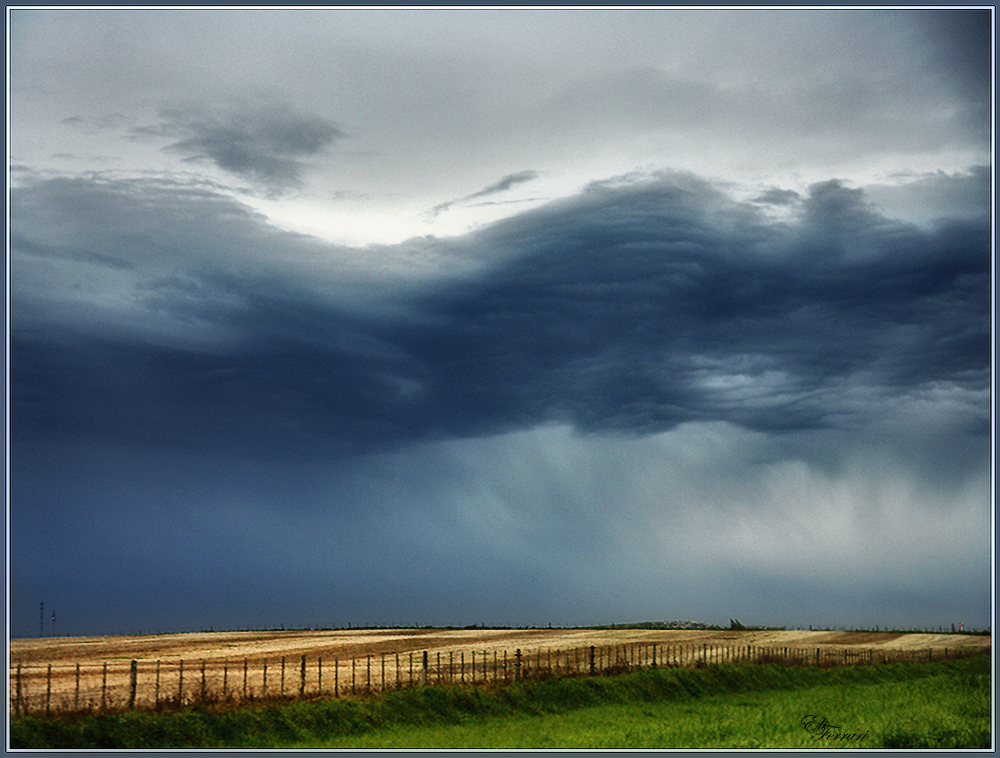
282, 676
48, 691
517, 664
263, 686
76, 690
319, 675
17, 701
592, 651
245, 663
423, 671
204, 686
225, 679
104, 686
336, 677
133, 677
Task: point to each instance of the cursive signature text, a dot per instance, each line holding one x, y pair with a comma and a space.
821, 729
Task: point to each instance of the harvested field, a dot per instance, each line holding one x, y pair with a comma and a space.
90, 672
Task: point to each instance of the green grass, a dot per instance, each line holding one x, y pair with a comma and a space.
905, 705
915, 714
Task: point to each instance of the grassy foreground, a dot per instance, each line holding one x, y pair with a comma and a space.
901, 705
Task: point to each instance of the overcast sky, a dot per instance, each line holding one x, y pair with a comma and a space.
512, 317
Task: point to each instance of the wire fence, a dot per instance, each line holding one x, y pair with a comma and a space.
158, 684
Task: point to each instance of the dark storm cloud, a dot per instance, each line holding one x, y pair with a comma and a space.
959, 47
635, 306
264, 144
959, 56
501, 186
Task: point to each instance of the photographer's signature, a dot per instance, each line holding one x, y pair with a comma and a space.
822, 729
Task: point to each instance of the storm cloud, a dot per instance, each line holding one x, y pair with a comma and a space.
631, 307
261, 143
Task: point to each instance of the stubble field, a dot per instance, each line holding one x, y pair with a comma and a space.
69, 672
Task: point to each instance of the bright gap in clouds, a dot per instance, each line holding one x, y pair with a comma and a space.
362, 220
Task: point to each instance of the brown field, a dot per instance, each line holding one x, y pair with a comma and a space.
233, 663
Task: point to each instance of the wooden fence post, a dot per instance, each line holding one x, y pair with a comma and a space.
17, 690
204, 685
245, 665
225, 679
104, 686
76, 690
48, 691
133, 678
592, 651
319, 675
423, 671
517, 664
263, 686
282, 676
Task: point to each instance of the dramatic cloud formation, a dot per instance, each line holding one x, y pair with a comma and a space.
633, 307
254, 381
